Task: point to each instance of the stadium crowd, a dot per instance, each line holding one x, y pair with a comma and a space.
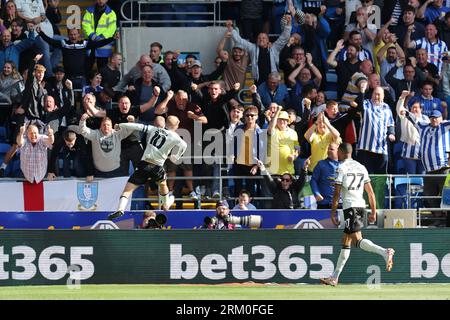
63, 95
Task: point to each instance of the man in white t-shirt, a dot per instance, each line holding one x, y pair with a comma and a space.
352, 180
33, 12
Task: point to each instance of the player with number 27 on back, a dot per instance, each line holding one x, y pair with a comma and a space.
161, 144
352, 180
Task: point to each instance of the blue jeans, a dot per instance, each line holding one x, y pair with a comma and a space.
413, 166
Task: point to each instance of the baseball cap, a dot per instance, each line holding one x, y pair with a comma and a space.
222, 203
435, 114
283, 115
58, 69
197, 63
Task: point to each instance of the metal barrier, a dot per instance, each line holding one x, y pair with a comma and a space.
139, 17
410, 195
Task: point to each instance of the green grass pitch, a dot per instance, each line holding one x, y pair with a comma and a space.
230, 291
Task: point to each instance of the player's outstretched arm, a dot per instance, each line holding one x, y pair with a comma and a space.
132, 126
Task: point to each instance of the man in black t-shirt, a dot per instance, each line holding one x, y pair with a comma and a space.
111, 72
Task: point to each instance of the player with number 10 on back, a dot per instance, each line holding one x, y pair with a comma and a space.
161, 144
352, 179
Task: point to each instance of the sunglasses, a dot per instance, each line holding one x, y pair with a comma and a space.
250, 115
284, 179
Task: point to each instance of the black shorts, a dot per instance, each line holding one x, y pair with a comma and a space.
353, 218
147, 171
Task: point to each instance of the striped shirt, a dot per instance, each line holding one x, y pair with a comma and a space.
396, 13
33, 159
434, 50
412, 151
374, 127
428, 105
362, 55
352, 90
435, 143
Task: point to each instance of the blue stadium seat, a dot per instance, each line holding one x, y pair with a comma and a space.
401, 190
4, 147
2, 134
138, 193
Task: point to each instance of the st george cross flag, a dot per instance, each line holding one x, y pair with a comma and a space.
62, 195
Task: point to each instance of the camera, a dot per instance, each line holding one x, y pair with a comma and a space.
251, 221
156, 222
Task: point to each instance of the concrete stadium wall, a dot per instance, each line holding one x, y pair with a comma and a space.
136, 41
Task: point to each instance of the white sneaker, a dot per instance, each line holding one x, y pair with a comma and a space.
390, 259
193, 195
329, 281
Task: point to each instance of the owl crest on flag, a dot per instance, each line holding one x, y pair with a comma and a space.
87, 194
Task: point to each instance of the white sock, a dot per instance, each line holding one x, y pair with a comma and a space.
123, 201
369, 246
342, 260
164, 198
3, 166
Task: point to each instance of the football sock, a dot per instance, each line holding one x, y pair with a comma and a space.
342, 260
164, 198
123, 201
369, 246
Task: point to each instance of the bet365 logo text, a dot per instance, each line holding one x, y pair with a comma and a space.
25, 263
427, 264
267, 263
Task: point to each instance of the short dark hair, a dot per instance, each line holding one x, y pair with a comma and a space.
427, 82
307, 89
156, 44
345, 148
392, 48
123, 96
19, 21
93, 73
244, 191
237, 106
191, 56
353, 33
69, 135
409, 8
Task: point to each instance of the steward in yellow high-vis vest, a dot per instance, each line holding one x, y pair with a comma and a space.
100, 22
